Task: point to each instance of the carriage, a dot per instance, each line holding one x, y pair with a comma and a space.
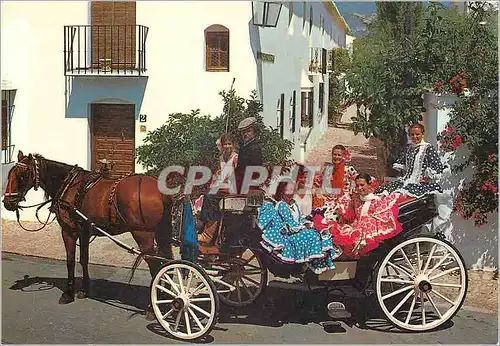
418, 279
405, 275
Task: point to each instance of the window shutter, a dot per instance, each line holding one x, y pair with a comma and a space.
113, 33
321, 97
282, 115
323, 60
217, 51
294, 108
311, 109
4, 124
303, 109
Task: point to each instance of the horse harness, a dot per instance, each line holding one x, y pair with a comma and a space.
87, 183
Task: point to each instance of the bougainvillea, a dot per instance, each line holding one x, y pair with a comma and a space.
456, 85
474, 124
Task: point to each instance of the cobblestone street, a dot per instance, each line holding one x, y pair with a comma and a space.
364, 153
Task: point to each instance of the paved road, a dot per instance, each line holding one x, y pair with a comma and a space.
31, 288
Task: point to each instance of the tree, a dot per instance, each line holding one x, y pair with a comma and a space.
447, 51
337, 92
189, 139
385, 77
473, 123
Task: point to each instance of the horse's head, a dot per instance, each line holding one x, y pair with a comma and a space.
24, 176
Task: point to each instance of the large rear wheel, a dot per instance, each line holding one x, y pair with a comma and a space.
421, 283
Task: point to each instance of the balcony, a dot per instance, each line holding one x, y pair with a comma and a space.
108, 50
318, 60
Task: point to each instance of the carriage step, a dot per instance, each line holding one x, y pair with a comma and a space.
337, 311
298, 286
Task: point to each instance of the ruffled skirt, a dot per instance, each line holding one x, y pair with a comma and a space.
306, 246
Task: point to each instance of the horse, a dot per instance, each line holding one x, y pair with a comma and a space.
132, 204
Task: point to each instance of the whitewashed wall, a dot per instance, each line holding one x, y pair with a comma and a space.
290, 43
51, 114
478, 246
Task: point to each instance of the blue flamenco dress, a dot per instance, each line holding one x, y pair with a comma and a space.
286, 236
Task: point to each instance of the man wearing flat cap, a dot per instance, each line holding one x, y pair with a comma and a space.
250, 153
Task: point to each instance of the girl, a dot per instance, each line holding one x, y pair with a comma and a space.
342, 179
421, 164
210, 212
365, 220
290, 237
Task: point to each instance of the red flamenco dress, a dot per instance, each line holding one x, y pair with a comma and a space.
366, 222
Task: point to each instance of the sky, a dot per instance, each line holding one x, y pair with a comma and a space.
346, 8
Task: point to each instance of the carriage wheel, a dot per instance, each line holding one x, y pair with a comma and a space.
184, 300
421, 283
249, 276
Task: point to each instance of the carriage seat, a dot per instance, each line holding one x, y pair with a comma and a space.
417, 211
241, 202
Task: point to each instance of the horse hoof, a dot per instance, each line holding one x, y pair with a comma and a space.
66, 298
82, 295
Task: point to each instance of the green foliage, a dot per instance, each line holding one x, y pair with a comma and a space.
410, 50
189, 139
337, 92
386, 85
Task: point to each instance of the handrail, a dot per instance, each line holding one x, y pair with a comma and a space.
105, 49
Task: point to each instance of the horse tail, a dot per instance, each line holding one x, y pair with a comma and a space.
164, 229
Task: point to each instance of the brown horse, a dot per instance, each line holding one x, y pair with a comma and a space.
131, 204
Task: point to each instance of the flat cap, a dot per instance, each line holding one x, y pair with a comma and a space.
246, 123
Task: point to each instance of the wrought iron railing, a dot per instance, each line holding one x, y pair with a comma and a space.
318, 60
105, 49
7, 154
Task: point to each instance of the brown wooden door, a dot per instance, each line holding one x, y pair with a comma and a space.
114, 33
113, 137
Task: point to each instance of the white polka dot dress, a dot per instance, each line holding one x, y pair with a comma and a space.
285, 235
420, 161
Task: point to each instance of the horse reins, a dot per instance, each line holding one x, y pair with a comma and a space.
66, 184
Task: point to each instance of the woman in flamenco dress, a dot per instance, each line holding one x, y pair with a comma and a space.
421, 166
365, 219
342, 176
290, 237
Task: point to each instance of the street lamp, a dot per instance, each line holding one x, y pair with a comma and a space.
266, 13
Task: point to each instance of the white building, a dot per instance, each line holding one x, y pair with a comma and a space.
82, 80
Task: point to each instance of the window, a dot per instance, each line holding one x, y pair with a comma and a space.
217, 48
324, 54
293, 108
304, 14
282, 115
4, 125
321, 97
306, 108
310, 19
7, 111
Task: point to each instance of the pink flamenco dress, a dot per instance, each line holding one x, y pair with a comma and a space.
366, 222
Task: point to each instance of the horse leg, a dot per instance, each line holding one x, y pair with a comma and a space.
164, 235
84, 262
70, 244
146, 240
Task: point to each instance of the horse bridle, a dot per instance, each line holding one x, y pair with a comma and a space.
35, 171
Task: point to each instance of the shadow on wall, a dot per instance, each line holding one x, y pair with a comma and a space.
478, 245
254, 36
82, 91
